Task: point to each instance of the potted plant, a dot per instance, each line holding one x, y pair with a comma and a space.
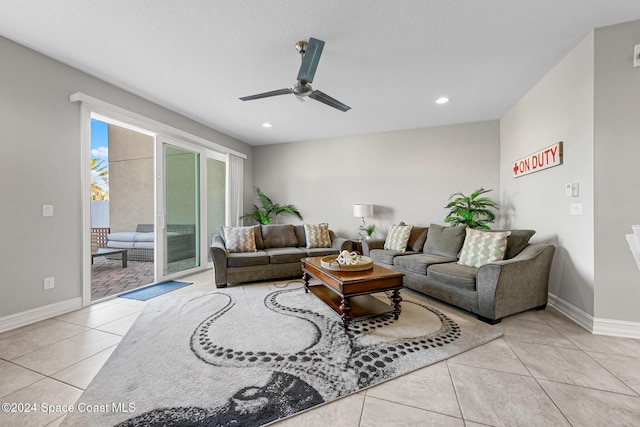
369, 230
473, 210
263, 213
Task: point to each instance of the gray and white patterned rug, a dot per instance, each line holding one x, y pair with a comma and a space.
248, 355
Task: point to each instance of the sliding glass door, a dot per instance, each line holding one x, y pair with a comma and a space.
178, 208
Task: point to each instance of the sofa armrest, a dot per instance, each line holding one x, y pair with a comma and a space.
368, 245
342, 244
518, 284
219, 256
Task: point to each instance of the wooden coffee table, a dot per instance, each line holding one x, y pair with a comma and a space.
348, 292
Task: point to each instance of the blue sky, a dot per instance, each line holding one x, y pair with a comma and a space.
99, 147
99, 140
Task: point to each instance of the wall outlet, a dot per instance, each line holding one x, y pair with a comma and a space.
48, 283
575, 209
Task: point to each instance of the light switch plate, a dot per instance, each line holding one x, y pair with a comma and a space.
47, 210
636, 55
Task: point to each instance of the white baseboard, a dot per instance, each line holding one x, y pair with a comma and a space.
28, 317
614, 328
572, 312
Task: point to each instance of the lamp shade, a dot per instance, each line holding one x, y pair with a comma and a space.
362, 210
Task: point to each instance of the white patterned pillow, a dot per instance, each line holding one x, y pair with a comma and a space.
239, 239
482, 247
397, 238
317, 235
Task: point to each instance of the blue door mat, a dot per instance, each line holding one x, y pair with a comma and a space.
154, 290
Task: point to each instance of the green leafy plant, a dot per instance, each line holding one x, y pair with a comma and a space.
472, 210
370, 229
267, 210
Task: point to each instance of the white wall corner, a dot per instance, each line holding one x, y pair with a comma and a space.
28, 317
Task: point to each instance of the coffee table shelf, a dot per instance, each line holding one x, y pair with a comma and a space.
361, 305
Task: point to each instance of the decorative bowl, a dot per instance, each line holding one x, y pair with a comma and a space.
329, 262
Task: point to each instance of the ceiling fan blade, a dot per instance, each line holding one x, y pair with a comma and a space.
267, 94
310, 60
326, 99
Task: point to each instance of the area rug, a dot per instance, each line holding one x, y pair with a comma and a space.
252, 354
154, 290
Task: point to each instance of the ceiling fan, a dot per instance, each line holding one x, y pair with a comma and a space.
310, 52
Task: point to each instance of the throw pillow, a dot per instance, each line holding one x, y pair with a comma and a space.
397, 238
239, 239
444, 241
317, 235
279, 236
482, 247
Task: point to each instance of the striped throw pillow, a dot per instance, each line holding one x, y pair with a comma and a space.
317, 235
397, 238
482, 247
239, 239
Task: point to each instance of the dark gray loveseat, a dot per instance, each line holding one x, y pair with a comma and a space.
492, 291
279, 251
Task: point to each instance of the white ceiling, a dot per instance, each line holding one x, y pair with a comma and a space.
388, 60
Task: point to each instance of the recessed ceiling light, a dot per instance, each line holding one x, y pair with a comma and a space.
266, 125
442, 100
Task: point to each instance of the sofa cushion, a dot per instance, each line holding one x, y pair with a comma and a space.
417, 237
285, 255
418, 263
454, 274
482, 247
317, 235
385, 256
397, 237
444, 241
321, 251
239, 239
517, 241
279, 236
245, 259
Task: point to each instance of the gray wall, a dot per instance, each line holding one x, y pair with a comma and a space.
40, 164
590, 100
407, 175
558, 108
616, 164
131, 180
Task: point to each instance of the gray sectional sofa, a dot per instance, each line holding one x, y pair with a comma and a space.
517, 283
279, 249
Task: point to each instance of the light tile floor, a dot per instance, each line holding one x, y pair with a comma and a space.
545, 370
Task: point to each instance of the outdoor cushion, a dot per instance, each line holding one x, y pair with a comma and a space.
245, 259
419, 263
317, 235
397, 237
239, 239
285, 255
143, 245
279, 236
482, 247
123, 236
454, 274
444, 241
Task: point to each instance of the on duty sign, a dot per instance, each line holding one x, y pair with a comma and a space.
546, 158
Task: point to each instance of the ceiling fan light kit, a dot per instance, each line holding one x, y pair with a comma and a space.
310, 52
